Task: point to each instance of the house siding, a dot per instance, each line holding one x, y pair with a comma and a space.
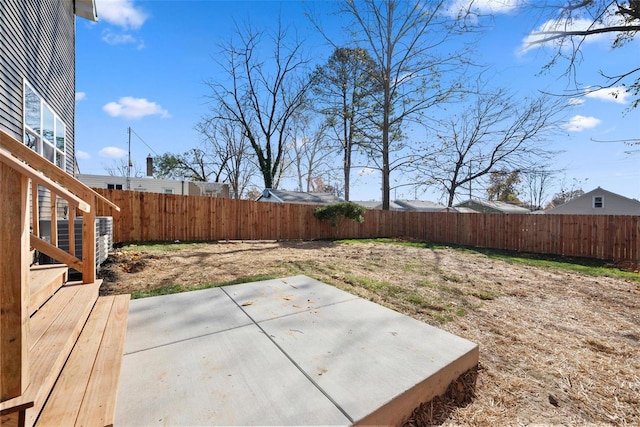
148, 185
37, 41
614, 204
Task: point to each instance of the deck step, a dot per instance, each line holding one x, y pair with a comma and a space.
45, 280
85, 393
54, 330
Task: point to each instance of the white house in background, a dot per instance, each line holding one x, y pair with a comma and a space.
284, 196
598, 202
459, 209
151, 185
372, 204
419, 205
490, 206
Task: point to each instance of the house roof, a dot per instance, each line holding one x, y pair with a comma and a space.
459, 209
419, 205
374, 204
614, 204
493, 205
284, 196
86, 9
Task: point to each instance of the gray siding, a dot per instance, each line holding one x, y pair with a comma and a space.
37, 42
614, 204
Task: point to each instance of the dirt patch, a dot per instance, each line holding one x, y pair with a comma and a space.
556, 347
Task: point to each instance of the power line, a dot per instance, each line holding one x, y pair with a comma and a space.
144, 142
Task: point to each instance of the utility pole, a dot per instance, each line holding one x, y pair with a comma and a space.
470, 193
129, 164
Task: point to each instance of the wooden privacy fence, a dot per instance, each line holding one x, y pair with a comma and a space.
167, 217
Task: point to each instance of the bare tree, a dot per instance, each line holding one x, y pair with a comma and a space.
123, 168
569, 190
564, 196
309, 154
405, 39
537, 182
262, 93
226, 141
571, 22
344, 89
497, 132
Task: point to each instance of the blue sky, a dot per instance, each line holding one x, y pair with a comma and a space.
144, 63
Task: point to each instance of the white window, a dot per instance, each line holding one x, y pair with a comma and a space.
168, 191
44, 132
114, 186
598, 202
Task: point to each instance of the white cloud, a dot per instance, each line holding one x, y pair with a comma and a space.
83, 155
579, 123
134, 108
616, 94
112, 38
122, 13
80, 96
112, 152
536, 37
483, 7
576, 101
609, 18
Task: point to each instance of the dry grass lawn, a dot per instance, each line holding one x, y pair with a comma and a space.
556, 346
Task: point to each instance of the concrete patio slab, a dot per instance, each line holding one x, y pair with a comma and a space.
290, 351
272, 299
171, 318
367, 357
235, 377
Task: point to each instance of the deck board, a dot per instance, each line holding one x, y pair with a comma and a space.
63, 406
99, 404
44, 281
85, 393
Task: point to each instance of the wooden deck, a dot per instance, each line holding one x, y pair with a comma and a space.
75, 348
49, 327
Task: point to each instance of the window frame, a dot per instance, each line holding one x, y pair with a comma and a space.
49, 149
598, 200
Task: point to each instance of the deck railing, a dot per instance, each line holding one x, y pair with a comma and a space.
22, 172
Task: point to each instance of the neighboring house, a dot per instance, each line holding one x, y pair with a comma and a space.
489, 206
419, 205
284, 196
598, 202
459, 209
151, 185
378, 205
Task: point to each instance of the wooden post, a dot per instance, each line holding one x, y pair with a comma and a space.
89, 241
54, 218
14, 283
71, 217
35, 212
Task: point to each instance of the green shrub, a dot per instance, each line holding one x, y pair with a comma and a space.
332, 212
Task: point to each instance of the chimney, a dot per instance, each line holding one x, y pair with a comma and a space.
149, 165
